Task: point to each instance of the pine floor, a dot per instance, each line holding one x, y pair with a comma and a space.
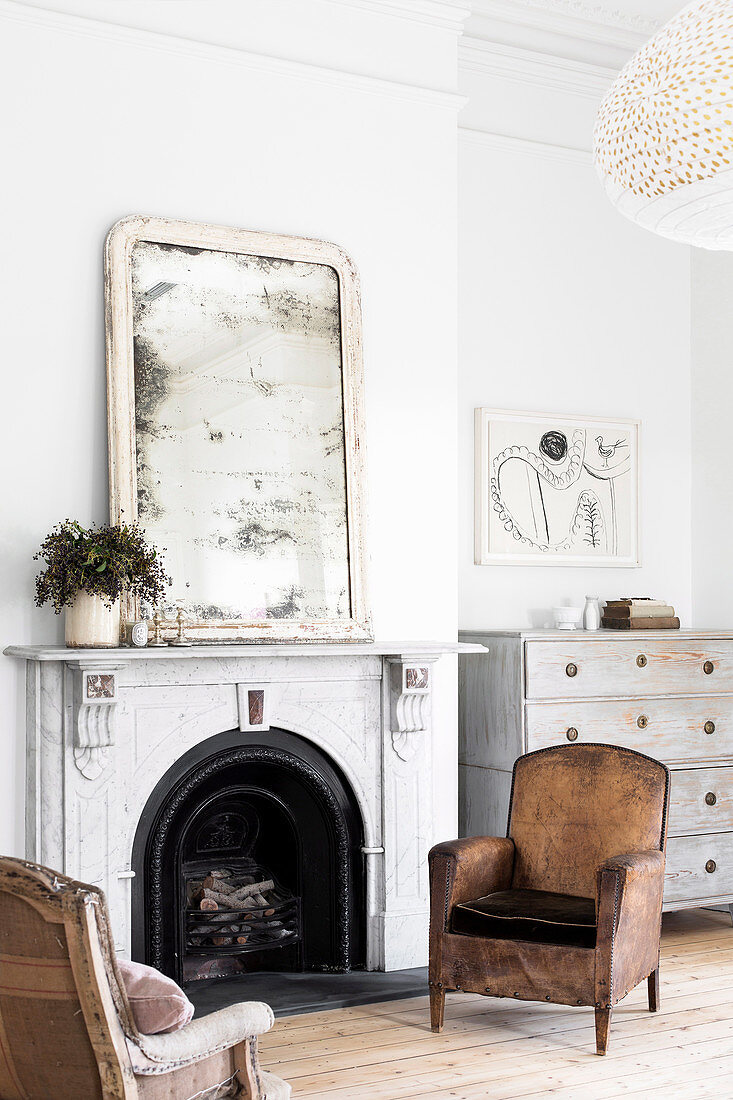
503, 1049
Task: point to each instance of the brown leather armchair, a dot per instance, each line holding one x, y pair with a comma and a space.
567, 907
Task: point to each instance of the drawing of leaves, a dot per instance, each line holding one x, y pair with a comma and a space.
589, 522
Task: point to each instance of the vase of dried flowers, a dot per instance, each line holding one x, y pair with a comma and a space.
87, 571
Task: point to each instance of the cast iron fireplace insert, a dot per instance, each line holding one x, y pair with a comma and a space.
247, 858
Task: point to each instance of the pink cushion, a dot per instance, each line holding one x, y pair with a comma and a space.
157, 1003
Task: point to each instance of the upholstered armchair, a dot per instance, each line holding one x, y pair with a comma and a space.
567, 907
66, 1029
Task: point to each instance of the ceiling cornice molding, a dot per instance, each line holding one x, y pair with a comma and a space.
82, 27
538, 69
593, 21
600, 13
563, 154
565, 28
447, 14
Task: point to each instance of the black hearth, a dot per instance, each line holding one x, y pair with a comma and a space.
247, 858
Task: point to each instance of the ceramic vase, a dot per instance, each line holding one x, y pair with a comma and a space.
592, 613
91, 623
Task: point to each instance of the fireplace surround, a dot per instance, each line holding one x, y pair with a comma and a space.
270, 808
126, 747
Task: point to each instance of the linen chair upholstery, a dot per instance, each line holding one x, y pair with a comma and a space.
567, 907
66, 1028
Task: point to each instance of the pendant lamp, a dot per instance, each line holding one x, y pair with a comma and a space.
664, 133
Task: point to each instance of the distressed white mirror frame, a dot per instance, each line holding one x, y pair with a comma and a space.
120, 243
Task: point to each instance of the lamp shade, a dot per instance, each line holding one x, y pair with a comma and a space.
664, 133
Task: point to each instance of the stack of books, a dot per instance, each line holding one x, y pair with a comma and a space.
639, 614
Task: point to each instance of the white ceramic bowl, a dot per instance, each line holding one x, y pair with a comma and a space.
567, 618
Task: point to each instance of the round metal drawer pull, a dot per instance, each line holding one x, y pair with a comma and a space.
572, 734
710, 866
642, 721
709, 727
710, 798
571, 669
642, 660
708, 667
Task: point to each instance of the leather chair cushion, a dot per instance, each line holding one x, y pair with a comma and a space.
534, 915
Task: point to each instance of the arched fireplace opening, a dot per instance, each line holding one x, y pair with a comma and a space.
247, 858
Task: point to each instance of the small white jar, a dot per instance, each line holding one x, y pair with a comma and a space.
592, 613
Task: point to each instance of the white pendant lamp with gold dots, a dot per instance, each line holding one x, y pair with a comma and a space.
664, 133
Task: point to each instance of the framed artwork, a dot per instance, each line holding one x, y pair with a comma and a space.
556, 490
235, 433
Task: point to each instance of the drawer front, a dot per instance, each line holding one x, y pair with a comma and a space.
676, 731
699, 867
585, 667
702, 801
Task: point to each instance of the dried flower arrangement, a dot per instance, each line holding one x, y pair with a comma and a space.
103, 561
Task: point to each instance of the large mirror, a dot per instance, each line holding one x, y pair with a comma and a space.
235, 390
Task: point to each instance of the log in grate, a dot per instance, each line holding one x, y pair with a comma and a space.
236, 908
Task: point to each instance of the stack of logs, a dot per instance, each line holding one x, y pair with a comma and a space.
238, 909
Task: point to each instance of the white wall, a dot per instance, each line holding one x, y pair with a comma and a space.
106, 122
565, 307
712, 413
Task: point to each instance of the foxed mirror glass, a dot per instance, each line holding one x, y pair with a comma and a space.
234, 382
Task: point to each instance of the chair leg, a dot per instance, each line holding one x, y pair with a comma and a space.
246, 1063
653, 984
437, 1005
603, 1021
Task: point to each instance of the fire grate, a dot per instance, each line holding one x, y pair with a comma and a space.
236, 908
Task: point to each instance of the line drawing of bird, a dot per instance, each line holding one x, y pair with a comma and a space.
610, 451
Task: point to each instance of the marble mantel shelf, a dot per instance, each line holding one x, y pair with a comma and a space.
247, 649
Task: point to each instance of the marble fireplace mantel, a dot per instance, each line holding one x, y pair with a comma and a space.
105, 726
244, 649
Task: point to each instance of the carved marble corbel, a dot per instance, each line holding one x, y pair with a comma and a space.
96, 696
410, 688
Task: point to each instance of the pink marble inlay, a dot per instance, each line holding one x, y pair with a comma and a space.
416, 678
100, 686
256, 704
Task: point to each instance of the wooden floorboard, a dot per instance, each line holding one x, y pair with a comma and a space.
509, 1050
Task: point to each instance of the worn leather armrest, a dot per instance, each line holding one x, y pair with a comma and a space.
636, 865
622, 879
461, 870
629, 913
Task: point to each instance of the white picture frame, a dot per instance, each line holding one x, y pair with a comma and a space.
557, 490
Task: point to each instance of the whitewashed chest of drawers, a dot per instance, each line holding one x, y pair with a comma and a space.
668, 694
